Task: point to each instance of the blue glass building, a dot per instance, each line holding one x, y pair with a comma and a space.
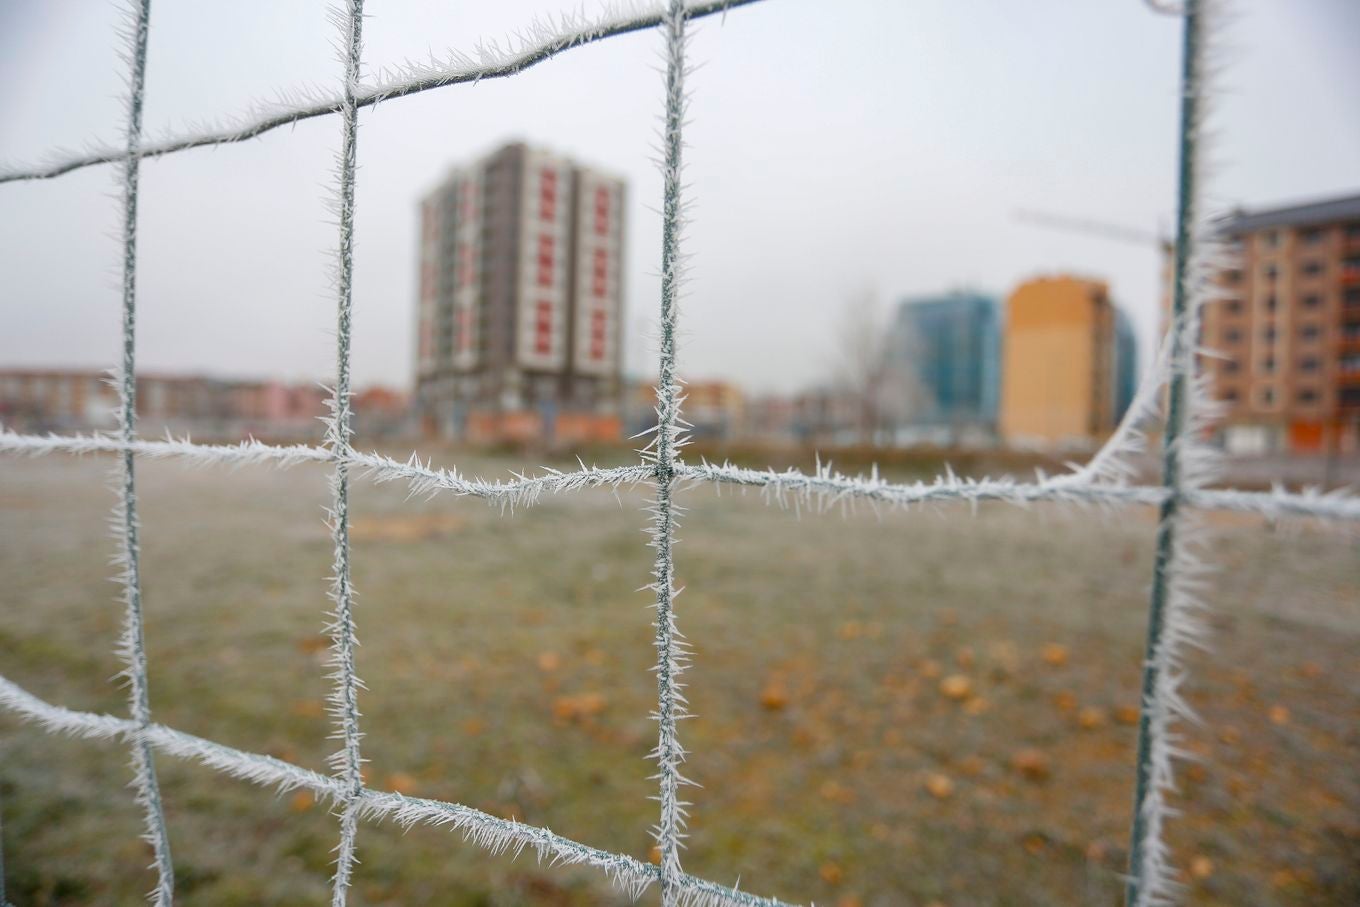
947, 350
1125, 363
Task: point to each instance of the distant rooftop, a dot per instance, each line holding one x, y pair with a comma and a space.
1326, 211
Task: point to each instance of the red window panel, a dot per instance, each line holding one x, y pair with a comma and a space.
543, 328
547, 195
600, 272
601, 211
597, 350
545, 259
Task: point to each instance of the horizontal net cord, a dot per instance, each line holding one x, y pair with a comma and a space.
828, 488
482, 829
540, 43
823, 488
422, 479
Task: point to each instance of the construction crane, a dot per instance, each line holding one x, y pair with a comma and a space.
1090, 227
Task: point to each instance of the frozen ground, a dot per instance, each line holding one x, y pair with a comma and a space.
923, 707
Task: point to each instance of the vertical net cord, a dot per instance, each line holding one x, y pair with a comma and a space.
1146, 857
670, 646
132, 647
344, 704
3, 902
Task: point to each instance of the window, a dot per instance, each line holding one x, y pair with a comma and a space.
1232, 275
1268, 272
1268, 364
1310, 332
1230, 395
1230, 367
1268, 335
1306, 395
543, 328
1352, 297
600, 272
1312, 268
1232, 335
545, 260
1310, 364
1267, 396
1349, 396
1271, 304
1351, 330
1311, 301
1232, 306
597, 333
1312, 237
547, 195
1350, 364
601, 211
1270, 239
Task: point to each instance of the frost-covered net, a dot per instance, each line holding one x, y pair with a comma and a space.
1176, 385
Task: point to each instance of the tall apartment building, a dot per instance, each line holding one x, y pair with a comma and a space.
519, 324
1287, 322
1060, 363
946, 350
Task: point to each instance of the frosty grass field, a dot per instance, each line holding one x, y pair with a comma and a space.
898, 709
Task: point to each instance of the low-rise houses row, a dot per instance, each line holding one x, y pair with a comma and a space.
205, 408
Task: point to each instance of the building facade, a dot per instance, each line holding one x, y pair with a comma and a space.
945, 355
1286, 323
519, 317
1059, 363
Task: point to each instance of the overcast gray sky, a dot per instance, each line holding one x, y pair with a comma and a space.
835, 146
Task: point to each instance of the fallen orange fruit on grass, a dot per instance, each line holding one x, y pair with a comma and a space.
956, 686
1054, 654
939, 786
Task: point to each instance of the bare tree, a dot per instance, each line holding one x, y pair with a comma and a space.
864, 370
